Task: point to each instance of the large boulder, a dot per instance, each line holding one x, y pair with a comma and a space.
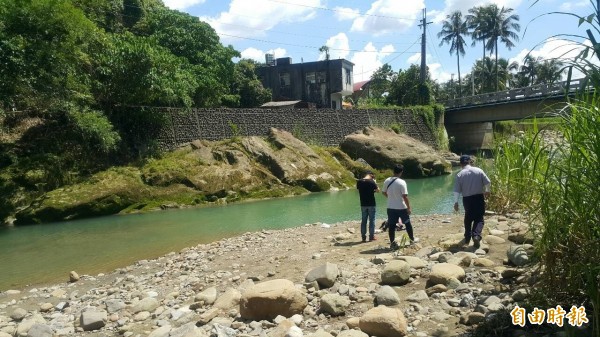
28, 323
383, 149
208, 296
325, 275
517, 254
230, 298
290, 160
444, 273
114, 305
269, 299
413, 262
334, 304
92, 320
396, 272
387, 296
40, 330
147, 304
382, 321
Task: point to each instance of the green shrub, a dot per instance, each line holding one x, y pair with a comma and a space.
568, 208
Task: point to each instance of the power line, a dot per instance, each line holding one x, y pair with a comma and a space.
393, 59
436, 52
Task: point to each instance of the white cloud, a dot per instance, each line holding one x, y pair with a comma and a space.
387, 16
182, 4
557, 49
368, 60
465, 5
414, 59
259, 55
252, 18
552, 49
437, 72
343, 13
338, 47
570, 6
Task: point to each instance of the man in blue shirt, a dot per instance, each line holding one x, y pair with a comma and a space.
474, 185
366, 191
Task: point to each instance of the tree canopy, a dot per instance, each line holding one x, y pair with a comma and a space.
80, 74
60, 56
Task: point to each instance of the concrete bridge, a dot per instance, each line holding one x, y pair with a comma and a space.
469, 120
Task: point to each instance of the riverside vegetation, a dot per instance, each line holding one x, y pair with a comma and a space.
75, 81
76, 75
557, 184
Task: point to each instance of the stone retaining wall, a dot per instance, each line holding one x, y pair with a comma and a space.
323, 126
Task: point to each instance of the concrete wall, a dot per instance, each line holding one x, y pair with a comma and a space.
324, 126
470, 137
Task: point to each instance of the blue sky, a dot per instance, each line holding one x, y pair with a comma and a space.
373, 32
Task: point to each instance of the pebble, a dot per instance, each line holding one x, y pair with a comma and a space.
158, 297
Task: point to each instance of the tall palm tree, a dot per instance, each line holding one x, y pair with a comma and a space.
454, 28
502, 26
477, 21
529, 69
489, 67
550, 71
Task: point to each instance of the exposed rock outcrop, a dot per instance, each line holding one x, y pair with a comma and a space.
202, 172
383, 149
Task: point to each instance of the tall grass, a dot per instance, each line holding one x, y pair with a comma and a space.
518, 168
569, 209
560, 187
569, 206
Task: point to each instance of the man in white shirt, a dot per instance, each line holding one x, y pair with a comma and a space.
474, 185
398, 206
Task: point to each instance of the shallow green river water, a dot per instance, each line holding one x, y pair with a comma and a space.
46, 253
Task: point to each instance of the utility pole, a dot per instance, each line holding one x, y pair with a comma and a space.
473, 82
424, 24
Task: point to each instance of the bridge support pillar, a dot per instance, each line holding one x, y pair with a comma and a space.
470, 137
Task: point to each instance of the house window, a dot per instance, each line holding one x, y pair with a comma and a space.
311, 78
284, 79
348, 76
321, 77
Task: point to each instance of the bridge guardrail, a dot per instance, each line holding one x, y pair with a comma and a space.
535, 91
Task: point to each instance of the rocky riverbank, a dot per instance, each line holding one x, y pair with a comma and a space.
316, 280
204, 172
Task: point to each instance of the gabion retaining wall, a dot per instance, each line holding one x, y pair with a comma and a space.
323, 126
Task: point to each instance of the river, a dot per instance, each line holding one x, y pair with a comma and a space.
46, 253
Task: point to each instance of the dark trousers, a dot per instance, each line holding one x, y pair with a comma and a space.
393, 216
474, 210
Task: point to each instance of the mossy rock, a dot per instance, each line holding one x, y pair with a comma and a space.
105, 193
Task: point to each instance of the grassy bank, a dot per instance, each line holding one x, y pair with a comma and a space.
558, 187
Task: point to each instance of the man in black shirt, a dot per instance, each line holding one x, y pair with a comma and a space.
366, 190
